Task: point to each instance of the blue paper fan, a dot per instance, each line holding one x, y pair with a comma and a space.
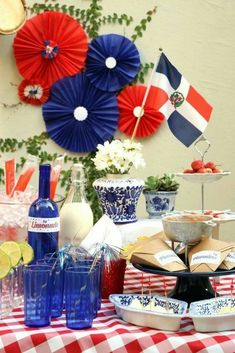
112, 62
78, 116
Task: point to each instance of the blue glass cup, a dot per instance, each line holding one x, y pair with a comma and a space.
78, 258
96, 266
79, 297
57, 285
37, 295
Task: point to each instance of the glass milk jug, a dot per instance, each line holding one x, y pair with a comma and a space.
76, 217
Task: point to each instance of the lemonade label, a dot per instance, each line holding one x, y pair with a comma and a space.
230, 257
166, 257
206, 257
43, 225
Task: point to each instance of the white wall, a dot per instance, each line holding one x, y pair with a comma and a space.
198, 37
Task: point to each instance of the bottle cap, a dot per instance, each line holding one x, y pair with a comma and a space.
45, 170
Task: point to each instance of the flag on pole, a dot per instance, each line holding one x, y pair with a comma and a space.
186, 111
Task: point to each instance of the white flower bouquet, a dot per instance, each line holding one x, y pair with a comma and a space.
117, 157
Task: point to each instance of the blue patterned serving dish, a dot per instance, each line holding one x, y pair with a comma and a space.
149, 310
216, 314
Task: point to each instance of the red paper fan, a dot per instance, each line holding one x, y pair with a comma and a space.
50, 46
33, 92
129, 102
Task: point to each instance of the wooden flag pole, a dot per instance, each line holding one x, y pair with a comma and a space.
141, 111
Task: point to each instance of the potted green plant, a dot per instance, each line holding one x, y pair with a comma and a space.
160, 193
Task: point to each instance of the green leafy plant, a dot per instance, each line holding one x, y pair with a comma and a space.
165, 183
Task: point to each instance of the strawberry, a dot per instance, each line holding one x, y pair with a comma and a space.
208, 170
216, 170
202, 170
189, 171
210, 165
197, 164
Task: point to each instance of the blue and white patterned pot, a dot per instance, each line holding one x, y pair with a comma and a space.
159, 202
118, 197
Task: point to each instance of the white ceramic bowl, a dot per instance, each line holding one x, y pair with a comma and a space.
213, 314
187, 228
149, 311
202, 177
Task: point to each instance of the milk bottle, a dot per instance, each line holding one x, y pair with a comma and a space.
76, 217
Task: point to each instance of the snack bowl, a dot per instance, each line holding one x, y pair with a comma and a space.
187, 228
152, 311
216, 314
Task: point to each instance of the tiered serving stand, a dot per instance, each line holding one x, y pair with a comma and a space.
194, 286
189, 286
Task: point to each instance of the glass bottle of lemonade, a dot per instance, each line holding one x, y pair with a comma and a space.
43, 221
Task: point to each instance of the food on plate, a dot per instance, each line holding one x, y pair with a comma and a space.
215, 214
226, 309
136, 304
199, 166
186, 218
226, 214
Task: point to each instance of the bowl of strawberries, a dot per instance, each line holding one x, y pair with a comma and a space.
202, 172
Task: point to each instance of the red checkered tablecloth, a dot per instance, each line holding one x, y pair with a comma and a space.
110, 334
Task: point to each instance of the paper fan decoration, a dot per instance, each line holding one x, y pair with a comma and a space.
112, 62
129, 102
33, 92
78, 116
50, 46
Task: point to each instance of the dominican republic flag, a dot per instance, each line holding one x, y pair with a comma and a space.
186, 111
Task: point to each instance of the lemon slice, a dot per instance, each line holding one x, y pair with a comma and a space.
5, 264
26, 252
12, 249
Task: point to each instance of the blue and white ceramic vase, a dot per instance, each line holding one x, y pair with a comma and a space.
119, 195
159, 202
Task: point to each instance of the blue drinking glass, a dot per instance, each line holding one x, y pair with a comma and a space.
79, 297
37, 295
57, 285
90, 264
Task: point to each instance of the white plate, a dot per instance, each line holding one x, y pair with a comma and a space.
213, 314
220, 216
202, 177
136, 309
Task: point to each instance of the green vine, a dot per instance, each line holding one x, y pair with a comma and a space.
144, 70
141, 27
91, 19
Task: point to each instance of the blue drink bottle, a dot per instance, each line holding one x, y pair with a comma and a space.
43, 221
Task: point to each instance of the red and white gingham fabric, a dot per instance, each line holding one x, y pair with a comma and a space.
111, 334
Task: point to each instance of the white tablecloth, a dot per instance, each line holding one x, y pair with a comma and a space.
131, 231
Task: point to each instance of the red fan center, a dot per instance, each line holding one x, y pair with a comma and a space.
51, 49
